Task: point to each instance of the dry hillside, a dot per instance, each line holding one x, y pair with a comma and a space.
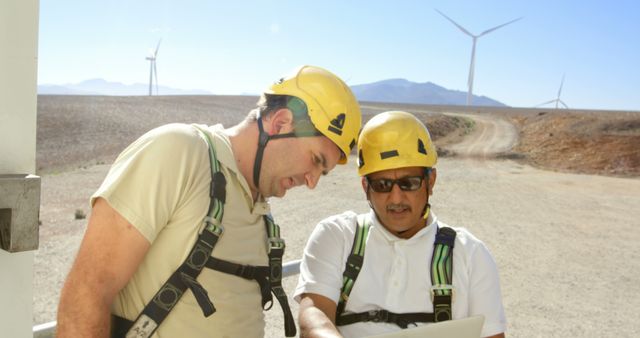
605, 143
78, 131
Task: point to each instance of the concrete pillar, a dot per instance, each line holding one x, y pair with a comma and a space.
18, 105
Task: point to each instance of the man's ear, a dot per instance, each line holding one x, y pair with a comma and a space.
432, 180
365, 185
280, 122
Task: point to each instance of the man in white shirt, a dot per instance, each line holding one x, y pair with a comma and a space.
397, 266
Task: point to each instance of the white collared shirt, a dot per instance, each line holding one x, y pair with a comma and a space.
395, 275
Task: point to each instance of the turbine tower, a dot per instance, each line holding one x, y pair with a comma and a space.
473, 50
557, 99
153, 71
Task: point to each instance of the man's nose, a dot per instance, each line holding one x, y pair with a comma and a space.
312, 179
396, 194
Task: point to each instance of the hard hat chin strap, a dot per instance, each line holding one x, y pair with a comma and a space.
263, 139
427, 208
427, 211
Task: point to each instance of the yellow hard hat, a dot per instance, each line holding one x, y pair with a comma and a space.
392, 140
331, 105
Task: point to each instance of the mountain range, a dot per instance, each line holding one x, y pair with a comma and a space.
103, 87
391, 91
404, 91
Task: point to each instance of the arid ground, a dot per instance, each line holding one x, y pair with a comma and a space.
554, 194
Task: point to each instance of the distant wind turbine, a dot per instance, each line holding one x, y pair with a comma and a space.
557, 99
473, 50
153, 71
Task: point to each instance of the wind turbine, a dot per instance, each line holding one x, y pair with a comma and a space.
473, 50
557, 99
152, 68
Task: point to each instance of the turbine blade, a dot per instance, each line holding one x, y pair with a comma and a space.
456, 24
157, 47
561, 83
543, 103
564, 104
496, 27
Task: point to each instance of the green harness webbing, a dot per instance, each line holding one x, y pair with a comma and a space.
441, 281
268, 277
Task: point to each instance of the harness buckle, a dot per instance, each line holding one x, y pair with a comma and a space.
246, 271
448, 289
213, 225
379, 316
275, 243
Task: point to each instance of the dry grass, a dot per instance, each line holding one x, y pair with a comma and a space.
606, 144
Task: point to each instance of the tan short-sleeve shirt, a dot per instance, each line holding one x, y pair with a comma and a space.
160, 184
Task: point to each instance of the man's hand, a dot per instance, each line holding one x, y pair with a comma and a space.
110, 253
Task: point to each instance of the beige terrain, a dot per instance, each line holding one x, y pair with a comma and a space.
565, 243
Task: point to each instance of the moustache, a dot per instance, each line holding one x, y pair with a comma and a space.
398, 207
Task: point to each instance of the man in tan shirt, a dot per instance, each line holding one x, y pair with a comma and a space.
149, 212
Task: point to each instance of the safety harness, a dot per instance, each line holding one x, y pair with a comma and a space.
441, 281
185, 277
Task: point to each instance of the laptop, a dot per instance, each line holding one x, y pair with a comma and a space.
460, 328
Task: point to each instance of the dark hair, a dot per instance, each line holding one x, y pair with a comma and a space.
268, 104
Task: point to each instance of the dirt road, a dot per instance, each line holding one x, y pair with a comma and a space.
490, 136
566, 245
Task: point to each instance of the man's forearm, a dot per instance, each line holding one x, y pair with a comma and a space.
82, 313
314, 323
109, 255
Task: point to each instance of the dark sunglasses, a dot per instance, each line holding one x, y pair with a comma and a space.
410, 183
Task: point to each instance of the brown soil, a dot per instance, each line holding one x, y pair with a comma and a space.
565, 140
80, 131
607, 144
524, 215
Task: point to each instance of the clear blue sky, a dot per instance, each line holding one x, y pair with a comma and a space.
235, 47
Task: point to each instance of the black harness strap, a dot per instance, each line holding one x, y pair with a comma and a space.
155, 312
119, 326
441, 281
268, 277
264, 138
258, 273
167, 297
276, 250
383, 316
442, 274
354, 262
